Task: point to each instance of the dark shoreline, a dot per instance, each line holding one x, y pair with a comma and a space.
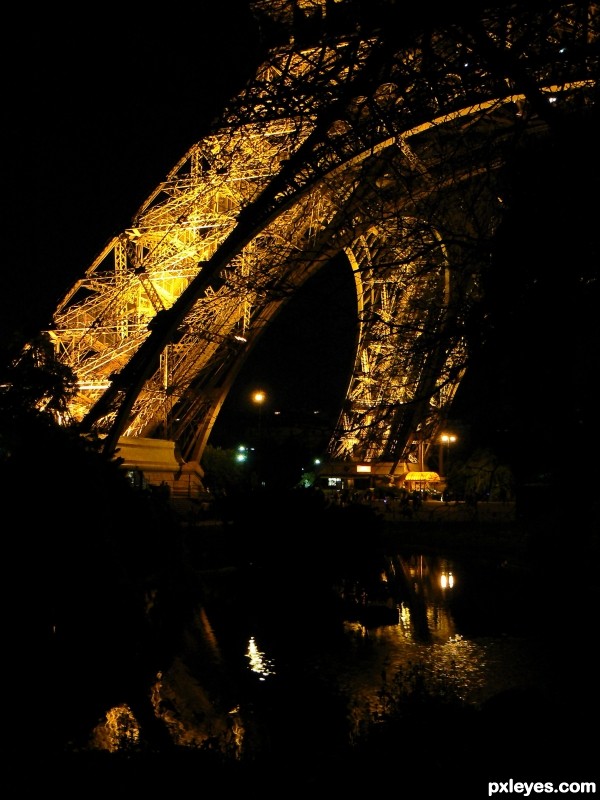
492, 530
502, 537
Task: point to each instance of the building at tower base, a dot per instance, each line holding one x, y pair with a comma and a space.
349, 476
156, 462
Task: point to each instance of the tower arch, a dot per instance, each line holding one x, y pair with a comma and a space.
389, 151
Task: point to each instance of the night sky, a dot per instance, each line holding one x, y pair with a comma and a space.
98, 111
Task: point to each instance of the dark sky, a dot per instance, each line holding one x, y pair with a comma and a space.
98, 115
97, 111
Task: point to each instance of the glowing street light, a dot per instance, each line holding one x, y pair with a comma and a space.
259, 398
445, 439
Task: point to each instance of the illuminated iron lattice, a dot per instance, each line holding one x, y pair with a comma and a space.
389, 152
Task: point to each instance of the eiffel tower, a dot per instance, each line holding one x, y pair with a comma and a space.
356, 141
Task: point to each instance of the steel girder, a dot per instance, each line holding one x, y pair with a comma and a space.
389, 152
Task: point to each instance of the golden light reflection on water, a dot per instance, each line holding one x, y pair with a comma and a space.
423, 648
118, 731
258, 661
376, 664
389, 649
447, 580
190, 715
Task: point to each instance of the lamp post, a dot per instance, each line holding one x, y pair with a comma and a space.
259, 398
445, 439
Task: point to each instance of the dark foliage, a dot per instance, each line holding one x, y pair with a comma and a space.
85, 554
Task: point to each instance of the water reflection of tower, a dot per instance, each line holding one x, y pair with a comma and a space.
428, 581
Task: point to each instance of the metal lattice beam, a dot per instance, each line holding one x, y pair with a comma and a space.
391, 152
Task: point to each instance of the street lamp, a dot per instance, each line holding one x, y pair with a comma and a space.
445, 439
259, 398
242, 454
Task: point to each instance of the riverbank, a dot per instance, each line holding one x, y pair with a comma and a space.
456, 526
508, 540
487, 528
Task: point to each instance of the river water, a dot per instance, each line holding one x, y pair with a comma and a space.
282, 657
470, 627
